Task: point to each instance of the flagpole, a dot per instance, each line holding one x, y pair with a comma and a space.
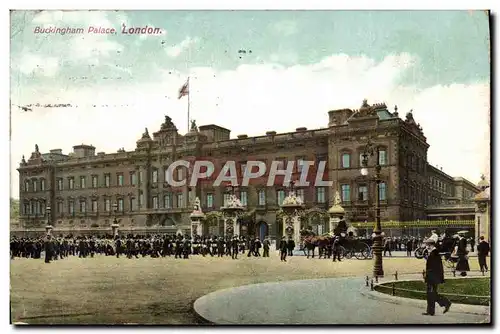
189, 102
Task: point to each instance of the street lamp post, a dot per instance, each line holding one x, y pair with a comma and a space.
48, 228
369, 151
115, 225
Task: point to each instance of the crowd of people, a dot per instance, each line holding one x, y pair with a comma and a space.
139, 245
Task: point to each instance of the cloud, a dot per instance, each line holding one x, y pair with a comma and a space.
285, 27
175, 50
34, 64
454, 118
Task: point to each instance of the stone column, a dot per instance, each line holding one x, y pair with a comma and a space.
231, 227
296, 231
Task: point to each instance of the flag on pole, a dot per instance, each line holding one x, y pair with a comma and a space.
184, 89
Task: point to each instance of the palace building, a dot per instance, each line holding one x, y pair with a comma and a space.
83, 188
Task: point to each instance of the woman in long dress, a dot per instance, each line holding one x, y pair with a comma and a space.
461, 251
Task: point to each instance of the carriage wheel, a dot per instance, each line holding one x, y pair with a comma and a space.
449, 264
363, 254
347, 253
369, 253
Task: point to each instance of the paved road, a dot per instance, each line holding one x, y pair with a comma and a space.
322, 301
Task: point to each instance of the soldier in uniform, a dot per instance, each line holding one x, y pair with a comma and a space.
118, 244
48, 248
234, 245
283, 249
178, 248
220, 247
92, 246
187, 248
266, 245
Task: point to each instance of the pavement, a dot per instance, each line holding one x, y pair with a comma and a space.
331, 301
394, 253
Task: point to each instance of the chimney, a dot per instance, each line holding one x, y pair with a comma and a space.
242, 136
301, 129
271, 133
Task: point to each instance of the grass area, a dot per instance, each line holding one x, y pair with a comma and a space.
462, 286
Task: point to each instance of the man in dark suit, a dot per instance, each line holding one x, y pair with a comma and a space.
48, 247
283, 249
434, 275
483, 248
291, 246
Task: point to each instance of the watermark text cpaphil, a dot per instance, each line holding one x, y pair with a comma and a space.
96, 30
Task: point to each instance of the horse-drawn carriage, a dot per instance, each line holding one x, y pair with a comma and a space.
350, 245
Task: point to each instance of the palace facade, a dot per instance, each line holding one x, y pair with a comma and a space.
86, 190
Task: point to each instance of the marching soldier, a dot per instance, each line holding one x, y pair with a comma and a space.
258, 246
187, 247
118, 244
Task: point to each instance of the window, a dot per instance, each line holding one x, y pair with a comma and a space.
280, 197
167, 201
226, 198
133, 204
320, 195
243, 168
120, 205
361, 158
71, 207
179, 174
210, 200
154, 177
300, 164
346, 160
83, 206
107, 205
71, 183
155, 202
95, 180
281, 163
42, 184
133, 178
27, 186
140, 176
26, 209
382, 157
59, 184
362, 193
35, 184
346, 193
107, 180
180, 200
60, 208
243, 198
300, 194
119, 177
94, 205
141, 199
262, 197
83, 180
382, 191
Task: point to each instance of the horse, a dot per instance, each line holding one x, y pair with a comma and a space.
323, 243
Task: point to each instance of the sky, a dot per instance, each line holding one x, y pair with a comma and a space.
251, 72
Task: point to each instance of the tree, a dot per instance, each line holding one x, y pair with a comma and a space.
14, 208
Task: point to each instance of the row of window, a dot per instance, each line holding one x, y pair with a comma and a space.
346, 159
36, 185
362, 194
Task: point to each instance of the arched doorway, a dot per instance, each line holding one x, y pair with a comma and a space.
262, 230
